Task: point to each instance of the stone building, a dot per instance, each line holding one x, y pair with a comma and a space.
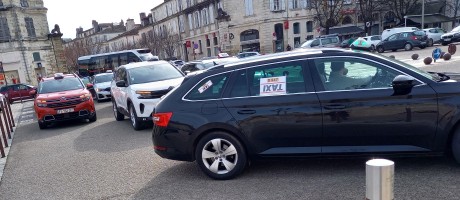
26, 51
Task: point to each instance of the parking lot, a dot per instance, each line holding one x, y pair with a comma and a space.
109, 160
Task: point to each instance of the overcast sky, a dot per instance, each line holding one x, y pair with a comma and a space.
73, 14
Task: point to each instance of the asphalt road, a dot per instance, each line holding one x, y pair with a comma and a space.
109, 160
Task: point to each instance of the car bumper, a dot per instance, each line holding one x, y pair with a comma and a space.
167, 144
144, 108
103, 95
83, 110
453, 39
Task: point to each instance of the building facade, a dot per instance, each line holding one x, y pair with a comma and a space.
26, 51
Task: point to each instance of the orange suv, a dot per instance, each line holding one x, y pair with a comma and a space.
63, 97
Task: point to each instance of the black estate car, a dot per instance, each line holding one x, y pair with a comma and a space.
403, 40
315, 102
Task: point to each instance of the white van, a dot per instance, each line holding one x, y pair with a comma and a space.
387, 32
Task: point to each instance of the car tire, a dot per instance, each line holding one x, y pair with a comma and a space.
135, 122
456, 145
444, 43
422, 47
408, 46
225, 157
118, 115
93, 118
372, 48
380, 49
430, 42
42, 125
394, 50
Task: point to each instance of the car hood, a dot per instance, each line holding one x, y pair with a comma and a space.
447, 34
102, 85
157, 85
57, 95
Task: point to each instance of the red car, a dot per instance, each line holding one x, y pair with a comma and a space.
62, 98
17, 92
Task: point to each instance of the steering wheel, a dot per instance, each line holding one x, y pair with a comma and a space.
379, 79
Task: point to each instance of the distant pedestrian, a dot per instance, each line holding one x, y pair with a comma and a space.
288, 47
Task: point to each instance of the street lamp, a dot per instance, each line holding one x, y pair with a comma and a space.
423, 14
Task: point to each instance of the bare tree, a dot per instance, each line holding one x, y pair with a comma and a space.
368, 8
327, 13
402, 8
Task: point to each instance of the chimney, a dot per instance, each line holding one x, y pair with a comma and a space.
95, 26
143, 18
130, 24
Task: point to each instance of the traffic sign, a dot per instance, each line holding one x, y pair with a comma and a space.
368, 24
436, 54
452, 49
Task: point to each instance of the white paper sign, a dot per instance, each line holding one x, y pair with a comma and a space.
273, 86
205, 87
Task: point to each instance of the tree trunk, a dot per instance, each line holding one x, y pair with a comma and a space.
327, 30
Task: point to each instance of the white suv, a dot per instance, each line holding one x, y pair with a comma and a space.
137, 87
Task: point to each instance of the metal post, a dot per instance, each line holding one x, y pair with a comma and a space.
11, 117
423, 14
1, 124
6, 118
405, 21
2, 151
379, 179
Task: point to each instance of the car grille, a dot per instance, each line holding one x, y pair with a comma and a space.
448, 36
106, 89
69, 101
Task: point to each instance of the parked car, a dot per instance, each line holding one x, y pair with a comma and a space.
388, 32
403, 40
61, 98
177, 63
247, 54
286, 104
102, 84
347, 42
205, 64
17, 92
366, 43
434, 35
138, 87
322, 41
452, 36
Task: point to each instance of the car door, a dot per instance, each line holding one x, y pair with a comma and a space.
276, 108
14, 92
118, 93
392, 42
402, 40
368, 116
24, 92
123, 91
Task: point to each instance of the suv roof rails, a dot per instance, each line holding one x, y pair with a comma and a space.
333, 50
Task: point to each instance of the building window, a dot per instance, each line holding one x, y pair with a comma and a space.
309, 37
189, 3
347, 20
30, 27
205, 17
190, 22
24, 3
211, 14
215, 41
296, 28
209, 52
36, 56
181, 23
294, 4
297, 42
179, 4
199, 44
249, 9
277, 5
309, 26
197, 19
4, 30
216, 51
208, 42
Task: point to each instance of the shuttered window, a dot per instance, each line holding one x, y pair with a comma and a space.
30, 27
249, 9
277, 5
36, 56
211, 14
4, 30
24, 3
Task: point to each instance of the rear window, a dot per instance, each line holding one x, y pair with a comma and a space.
103, 78
152, 73
419, 33
209, 88
59, 85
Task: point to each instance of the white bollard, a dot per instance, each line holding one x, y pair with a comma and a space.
380, 179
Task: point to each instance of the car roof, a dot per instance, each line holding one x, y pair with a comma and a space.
64, 76
143, 64
102, 74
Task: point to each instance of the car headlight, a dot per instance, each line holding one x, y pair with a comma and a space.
457, 34
97, 89
85, 97
41, 103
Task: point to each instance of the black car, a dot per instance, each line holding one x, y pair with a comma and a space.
452, 36
404, 40
307, 103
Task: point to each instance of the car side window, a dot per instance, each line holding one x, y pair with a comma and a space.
314, 43
22, 87
353, 74
276, 79
209, 88
375, 38
16, 87
393, 37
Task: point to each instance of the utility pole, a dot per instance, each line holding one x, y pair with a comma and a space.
423, 14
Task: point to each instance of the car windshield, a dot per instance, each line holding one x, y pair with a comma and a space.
431, 76
148, 57
307, 43
59, 85
152, 73
103, 78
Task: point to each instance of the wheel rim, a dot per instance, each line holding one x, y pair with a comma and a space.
219, 156
133, 117
407, 47
114, 110
380, 49
430, 42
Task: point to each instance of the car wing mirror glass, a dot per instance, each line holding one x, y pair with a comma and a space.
121, 84
403, 84
33, 92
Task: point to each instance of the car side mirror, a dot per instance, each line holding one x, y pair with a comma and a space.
89, 85
33, 93
121, 84
403, 84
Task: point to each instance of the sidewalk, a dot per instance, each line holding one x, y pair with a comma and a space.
16, 109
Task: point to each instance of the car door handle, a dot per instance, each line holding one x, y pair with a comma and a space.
246, 112
334, 107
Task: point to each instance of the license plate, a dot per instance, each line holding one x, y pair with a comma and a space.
447, 39
65, 110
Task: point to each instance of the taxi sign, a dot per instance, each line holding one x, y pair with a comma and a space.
436, 54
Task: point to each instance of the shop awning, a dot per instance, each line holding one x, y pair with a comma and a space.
346, 30
432, 18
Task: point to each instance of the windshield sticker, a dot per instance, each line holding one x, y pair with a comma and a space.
273, 86
205, 86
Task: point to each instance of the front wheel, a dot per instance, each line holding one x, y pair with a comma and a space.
42, 125
430, 42
134, 119
408, 47
93, 118
380, 49
220, 156
117, 114
456, 145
